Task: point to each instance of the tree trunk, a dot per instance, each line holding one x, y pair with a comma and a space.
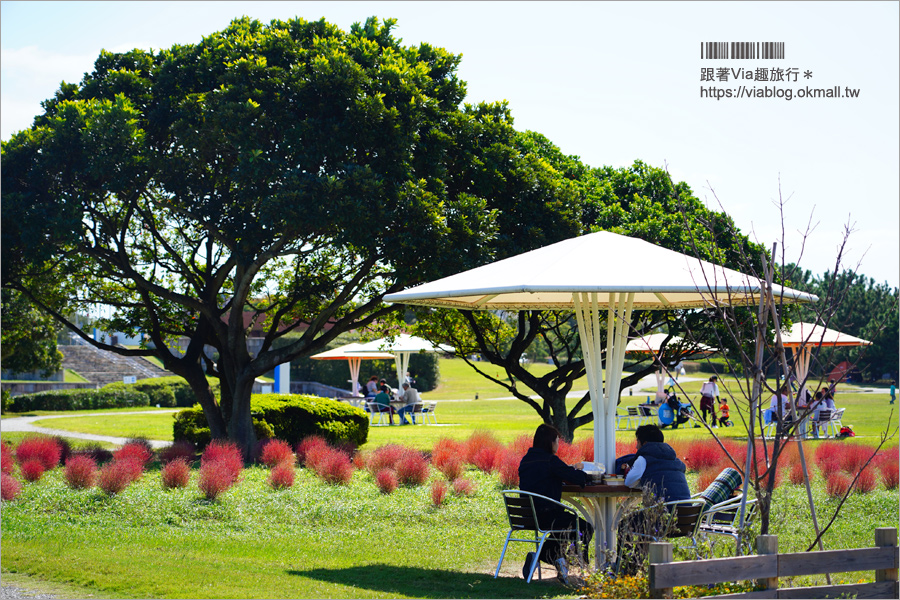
200, 387
240, 426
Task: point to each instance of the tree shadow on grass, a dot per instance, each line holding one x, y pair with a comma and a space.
420, 582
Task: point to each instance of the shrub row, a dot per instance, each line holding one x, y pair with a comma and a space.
286, 417
79, 399
165, 391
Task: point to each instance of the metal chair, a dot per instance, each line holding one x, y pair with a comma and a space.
428, 412
822, 420
723, 519
523, 518
836, 421
770, 422
378, 412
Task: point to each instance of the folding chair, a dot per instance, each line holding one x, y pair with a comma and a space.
683, 521
633, 416
835, 422
770, 420
723, 519
523, 518
428, 412
821, 421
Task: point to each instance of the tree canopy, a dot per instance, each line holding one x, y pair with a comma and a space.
282, 176
28, 337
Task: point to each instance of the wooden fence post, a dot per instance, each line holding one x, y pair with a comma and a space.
660, 552
768, 544
886, 536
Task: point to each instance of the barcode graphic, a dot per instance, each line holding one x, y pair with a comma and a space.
742, 50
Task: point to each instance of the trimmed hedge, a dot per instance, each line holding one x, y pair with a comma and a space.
286, 417
165, 391
79, 399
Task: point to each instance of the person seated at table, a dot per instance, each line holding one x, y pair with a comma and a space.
542, 472
383, 401
410, 397
372, 386
656, 465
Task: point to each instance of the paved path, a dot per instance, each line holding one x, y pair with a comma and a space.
26, 424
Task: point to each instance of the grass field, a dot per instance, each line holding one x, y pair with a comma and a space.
318, 541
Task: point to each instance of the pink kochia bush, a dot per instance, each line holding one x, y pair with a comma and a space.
226, 454
334, 466
508, 469
32, 469
274, 452
448, 451
176, 473
438, 492
9, 487
134, 451
282, 475
837, 484
7, 460
309, 448
890, 474
215, 478
385, 457
412, 468
386, 480
44, 450
80, 472
463, 487
115, 476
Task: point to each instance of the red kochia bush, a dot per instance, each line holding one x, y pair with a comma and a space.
451, 467
854, 456
282, 475
32, 469
463, 487
115, 476
706, 477
568, 453
80, 472
703, 454
307, 444
796, 472
9, 487
45, 450
7, 460
176, 473
438, 492
866, 481
274, 452
486, 458
182, 449
386, 480
828, 456
478, 441
508, 470
134, 451
447, 450
890, 474
216, 477
585, 449
521, 445
385, 457
837, 484
226, 454
131, 466
412, 468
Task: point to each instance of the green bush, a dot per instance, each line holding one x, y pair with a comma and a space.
6, 401
165, 391
287, 417
79, 399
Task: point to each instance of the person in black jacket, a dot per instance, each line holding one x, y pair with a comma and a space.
542, 472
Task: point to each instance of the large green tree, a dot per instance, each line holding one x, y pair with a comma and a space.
639, 201
285, 175
28, 337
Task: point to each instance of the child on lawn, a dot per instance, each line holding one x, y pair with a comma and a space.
723, 412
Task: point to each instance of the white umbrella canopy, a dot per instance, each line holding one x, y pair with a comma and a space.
352, 354
803, 337
401, 347
588, 274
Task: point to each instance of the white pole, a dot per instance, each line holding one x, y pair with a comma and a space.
354, 374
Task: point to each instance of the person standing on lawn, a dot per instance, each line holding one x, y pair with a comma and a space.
542, 472
893, 391
708, 393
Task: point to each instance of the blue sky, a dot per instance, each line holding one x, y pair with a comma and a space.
610, 82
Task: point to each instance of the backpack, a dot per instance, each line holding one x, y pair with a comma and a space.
846, 432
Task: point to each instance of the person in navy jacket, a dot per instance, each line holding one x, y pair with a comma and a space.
543, 472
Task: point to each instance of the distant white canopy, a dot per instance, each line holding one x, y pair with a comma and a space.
653, 343
401, 347
353, 354
604, 263
816, 335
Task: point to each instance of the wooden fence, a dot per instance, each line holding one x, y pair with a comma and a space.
768, 566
